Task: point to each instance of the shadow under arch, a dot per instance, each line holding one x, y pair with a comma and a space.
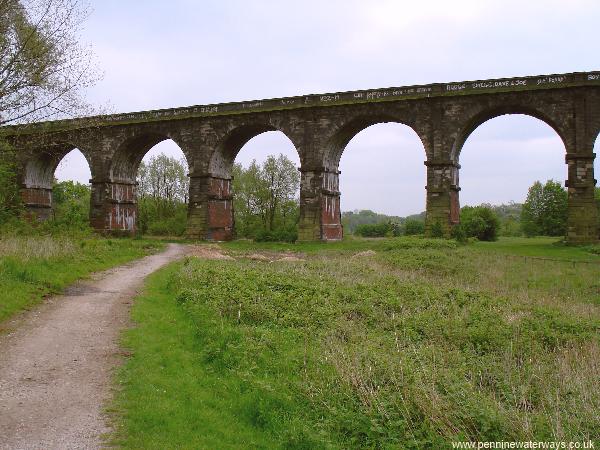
38, 172
223, 157
342, 137
488, 114
130, 153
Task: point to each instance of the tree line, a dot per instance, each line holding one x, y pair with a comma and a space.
544, 213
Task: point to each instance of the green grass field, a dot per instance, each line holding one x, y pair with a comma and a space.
413, 344
33, 267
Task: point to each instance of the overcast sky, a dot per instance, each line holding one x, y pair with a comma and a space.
158, 54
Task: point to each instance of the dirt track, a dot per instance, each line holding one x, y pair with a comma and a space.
55, 368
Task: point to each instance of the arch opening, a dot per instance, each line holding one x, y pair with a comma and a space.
226, 153
55, 185
162, 188
265, 186
374, 187
505, 111
501, 160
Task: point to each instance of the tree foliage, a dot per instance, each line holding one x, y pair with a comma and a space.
545, 210
43, 67
10, 200
163, 189
266, 199
71, 205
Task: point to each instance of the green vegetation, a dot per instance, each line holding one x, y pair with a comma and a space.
413, 227
10, 200
163, 187
34, 266
71, 205
381, 229
265, 201
545, 210
367, 223
479, 222
351, 220
412, 345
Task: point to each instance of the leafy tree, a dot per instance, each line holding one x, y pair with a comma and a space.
545, 210
71, 204
266, 197
42, 65
479, 222
163, 187
10, 200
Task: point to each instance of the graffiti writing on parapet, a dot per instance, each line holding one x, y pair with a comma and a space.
551, 80
498, 84
252, 105
329, 98
206, 109
593, 76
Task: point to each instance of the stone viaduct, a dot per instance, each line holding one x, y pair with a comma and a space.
443, 115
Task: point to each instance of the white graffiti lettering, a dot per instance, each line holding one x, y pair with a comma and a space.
252, 105
329, 98
377, 94
551, 80
456, 87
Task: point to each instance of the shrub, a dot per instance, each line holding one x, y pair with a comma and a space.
173, 226
480, 222
458, 233
374, 229
414, 226
276, 236
436, 230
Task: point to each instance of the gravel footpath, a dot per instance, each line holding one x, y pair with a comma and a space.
55, 367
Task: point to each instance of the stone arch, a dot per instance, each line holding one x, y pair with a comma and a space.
36, 176
227, 149
512, 151
129, 154
347, 131
482, 116
38, 171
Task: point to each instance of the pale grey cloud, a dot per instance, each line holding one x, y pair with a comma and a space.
159, 54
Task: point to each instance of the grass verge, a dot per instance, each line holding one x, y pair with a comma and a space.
36, 266
413, 345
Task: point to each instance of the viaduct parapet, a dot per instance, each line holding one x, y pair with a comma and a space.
320, 126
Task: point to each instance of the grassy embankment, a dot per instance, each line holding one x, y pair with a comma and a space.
419, 344
33, 267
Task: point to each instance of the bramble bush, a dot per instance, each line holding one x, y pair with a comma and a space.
479, 222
